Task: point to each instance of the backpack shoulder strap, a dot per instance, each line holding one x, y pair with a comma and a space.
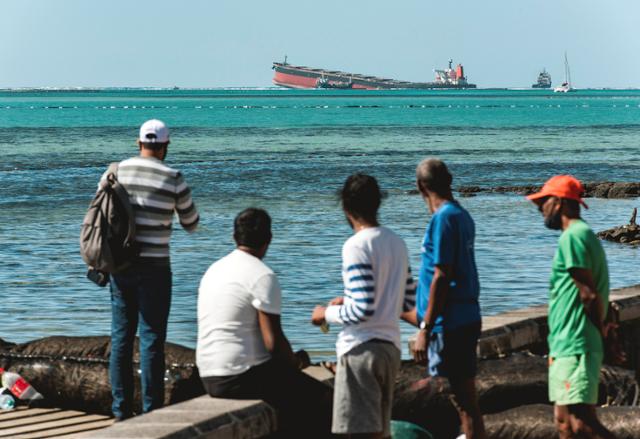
110, 177
123, 196
113, 168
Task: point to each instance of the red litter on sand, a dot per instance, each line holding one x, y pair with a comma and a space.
18, 386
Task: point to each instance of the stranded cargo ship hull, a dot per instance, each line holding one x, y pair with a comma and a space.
290, 76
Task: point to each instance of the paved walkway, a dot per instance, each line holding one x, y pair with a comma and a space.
41, 423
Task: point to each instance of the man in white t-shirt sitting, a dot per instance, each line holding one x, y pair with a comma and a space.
242, 352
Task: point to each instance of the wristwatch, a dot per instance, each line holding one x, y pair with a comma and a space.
424, 326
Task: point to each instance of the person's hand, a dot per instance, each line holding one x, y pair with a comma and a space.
317, 317
337, 301
608, 328
303, 359
420, 353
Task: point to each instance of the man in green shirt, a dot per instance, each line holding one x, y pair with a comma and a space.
578, 300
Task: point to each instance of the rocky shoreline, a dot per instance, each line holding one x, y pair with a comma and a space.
601, 189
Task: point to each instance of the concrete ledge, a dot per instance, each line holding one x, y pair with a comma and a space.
521, 334
625, 303
202, 418
205, 418
320, 373
527, 328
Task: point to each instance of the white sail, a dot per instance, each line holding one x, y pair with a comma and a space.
566, 85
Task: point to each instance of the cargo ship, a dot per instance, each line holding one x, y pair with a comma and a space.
544, 80
290, 76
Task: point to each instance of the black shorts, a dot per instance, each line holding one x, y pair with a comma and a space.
302, 402
452, 353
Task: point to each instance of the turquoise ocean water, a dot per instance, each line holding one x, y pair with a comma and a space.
288, 151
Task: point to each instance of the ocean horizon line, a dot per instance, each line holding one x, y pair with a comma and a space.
276, 88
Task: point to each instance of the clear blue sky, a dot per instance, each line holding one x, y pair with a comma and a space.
217, 43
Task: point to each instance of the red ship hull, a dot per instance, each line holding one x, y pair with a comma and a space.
295, 81
301, 77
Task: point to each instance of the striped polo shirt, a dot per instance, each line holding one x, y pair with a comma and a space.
378, 288
156, 191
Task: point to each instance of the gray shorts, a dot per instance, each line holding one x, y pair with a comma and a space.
363, 390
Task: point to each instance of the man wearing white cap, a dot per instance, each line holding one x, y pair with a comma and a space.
141, 295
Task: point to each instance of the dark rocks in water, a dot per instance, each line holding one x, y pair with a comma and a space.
502, 384
469, 191
597, 189
627, 234
613, 190
536, 422
73, 372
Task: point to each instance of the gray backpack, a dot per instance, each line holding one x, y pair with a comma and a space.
107, 237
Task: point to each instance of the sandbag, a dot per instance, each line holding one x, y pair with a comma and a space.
73, 372
536, 422
502, 384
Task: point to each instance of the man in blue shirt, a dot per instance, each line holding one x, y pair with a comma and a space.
447, 309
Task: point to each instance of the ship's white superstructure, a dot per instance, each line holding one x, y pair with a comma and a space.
450, 76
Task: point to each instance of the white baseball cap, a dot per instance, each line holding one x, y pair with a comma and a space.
154, 131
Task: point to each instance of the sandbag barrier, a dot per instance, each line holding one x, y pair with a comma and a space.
72, 373
506, 387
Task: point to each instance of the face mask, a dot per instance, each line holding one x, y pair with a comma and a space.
554, 220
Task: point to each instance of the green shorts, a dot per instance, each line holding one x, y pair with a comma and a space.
574, 379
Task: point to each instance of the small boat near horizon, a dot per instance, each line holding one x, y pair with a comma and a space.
565, 87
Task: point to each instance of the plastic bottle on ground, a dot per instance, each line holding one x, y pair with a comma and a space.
18, 386
6, 401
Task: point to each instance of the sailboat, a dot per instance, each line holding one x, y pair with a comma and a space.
565, 87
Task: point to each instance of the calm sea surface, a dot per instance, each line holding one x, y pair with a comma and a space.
288, 152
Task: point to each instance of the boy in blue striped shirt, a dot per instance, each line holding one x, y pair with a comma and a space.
378, 287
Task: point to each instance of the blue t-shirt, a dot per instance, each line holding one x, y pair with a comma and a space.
449, 241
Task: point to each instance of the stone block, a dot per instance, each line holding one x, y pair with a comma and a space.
202, 417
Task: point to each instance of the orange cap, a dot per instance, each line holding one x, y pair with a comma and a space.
562, 186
